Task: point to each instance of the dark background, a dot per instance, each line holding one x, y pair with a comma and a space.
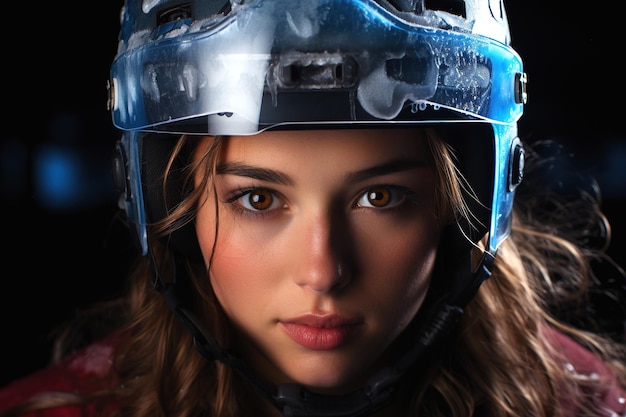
62, 248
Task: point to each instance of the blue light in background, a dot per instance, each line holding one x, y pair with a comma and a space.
67, 179
58, 178
70, 166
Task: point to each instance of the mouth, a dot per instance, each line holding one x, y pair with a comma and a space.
321, 332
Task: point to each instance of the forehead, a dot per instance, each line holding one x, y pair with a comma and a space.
340, 146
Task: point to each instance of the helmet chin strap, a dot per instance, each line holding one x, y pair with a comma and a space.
294, 400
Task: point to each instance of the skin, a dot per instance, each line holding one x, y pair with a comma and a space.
317, 247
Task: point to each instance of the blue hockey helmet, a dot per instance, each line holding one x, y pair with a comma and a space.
222, 67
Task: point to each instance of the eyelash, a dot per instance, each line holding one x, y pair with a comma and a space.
399, 196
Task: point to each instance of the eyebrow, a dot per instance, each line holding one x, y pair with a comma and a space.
277, 177
396, 165
262, 174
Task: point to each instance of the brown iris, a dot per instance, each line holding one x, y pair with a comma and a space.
260, 200
379, 197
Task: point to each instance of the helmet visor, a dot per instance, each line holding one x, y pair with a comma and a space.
273, 63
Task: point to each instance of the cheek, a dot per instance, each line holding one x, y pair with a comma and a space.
407, 249
236, 266
415, 264
401, 267
412, 262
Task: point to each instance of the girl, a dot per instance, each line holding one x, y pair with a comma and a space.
323, 198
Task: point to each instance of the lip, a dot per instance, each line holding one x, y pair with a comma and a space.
317, 332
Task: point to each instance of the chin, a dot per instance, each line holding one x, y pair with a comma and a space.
328, 379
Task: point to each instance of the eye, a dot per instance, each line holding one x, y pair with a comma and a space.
381, 197
257, 200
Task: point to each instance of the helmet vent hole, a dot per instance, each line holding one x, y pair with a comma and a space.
455, 7
172, 14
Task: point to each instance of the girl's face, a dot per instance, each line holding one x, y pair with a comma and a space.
325, 249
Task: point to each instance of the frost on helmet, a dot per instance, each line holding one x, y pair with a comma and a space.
258, 64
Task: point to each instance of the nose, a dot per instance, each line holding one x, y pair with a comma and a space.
324, 265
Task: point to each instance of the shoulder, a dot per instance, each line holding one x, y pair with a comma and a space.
588, 366
83, 372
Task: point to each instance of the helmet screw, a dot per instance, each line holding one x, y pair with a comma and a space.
521, 81
517, 166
